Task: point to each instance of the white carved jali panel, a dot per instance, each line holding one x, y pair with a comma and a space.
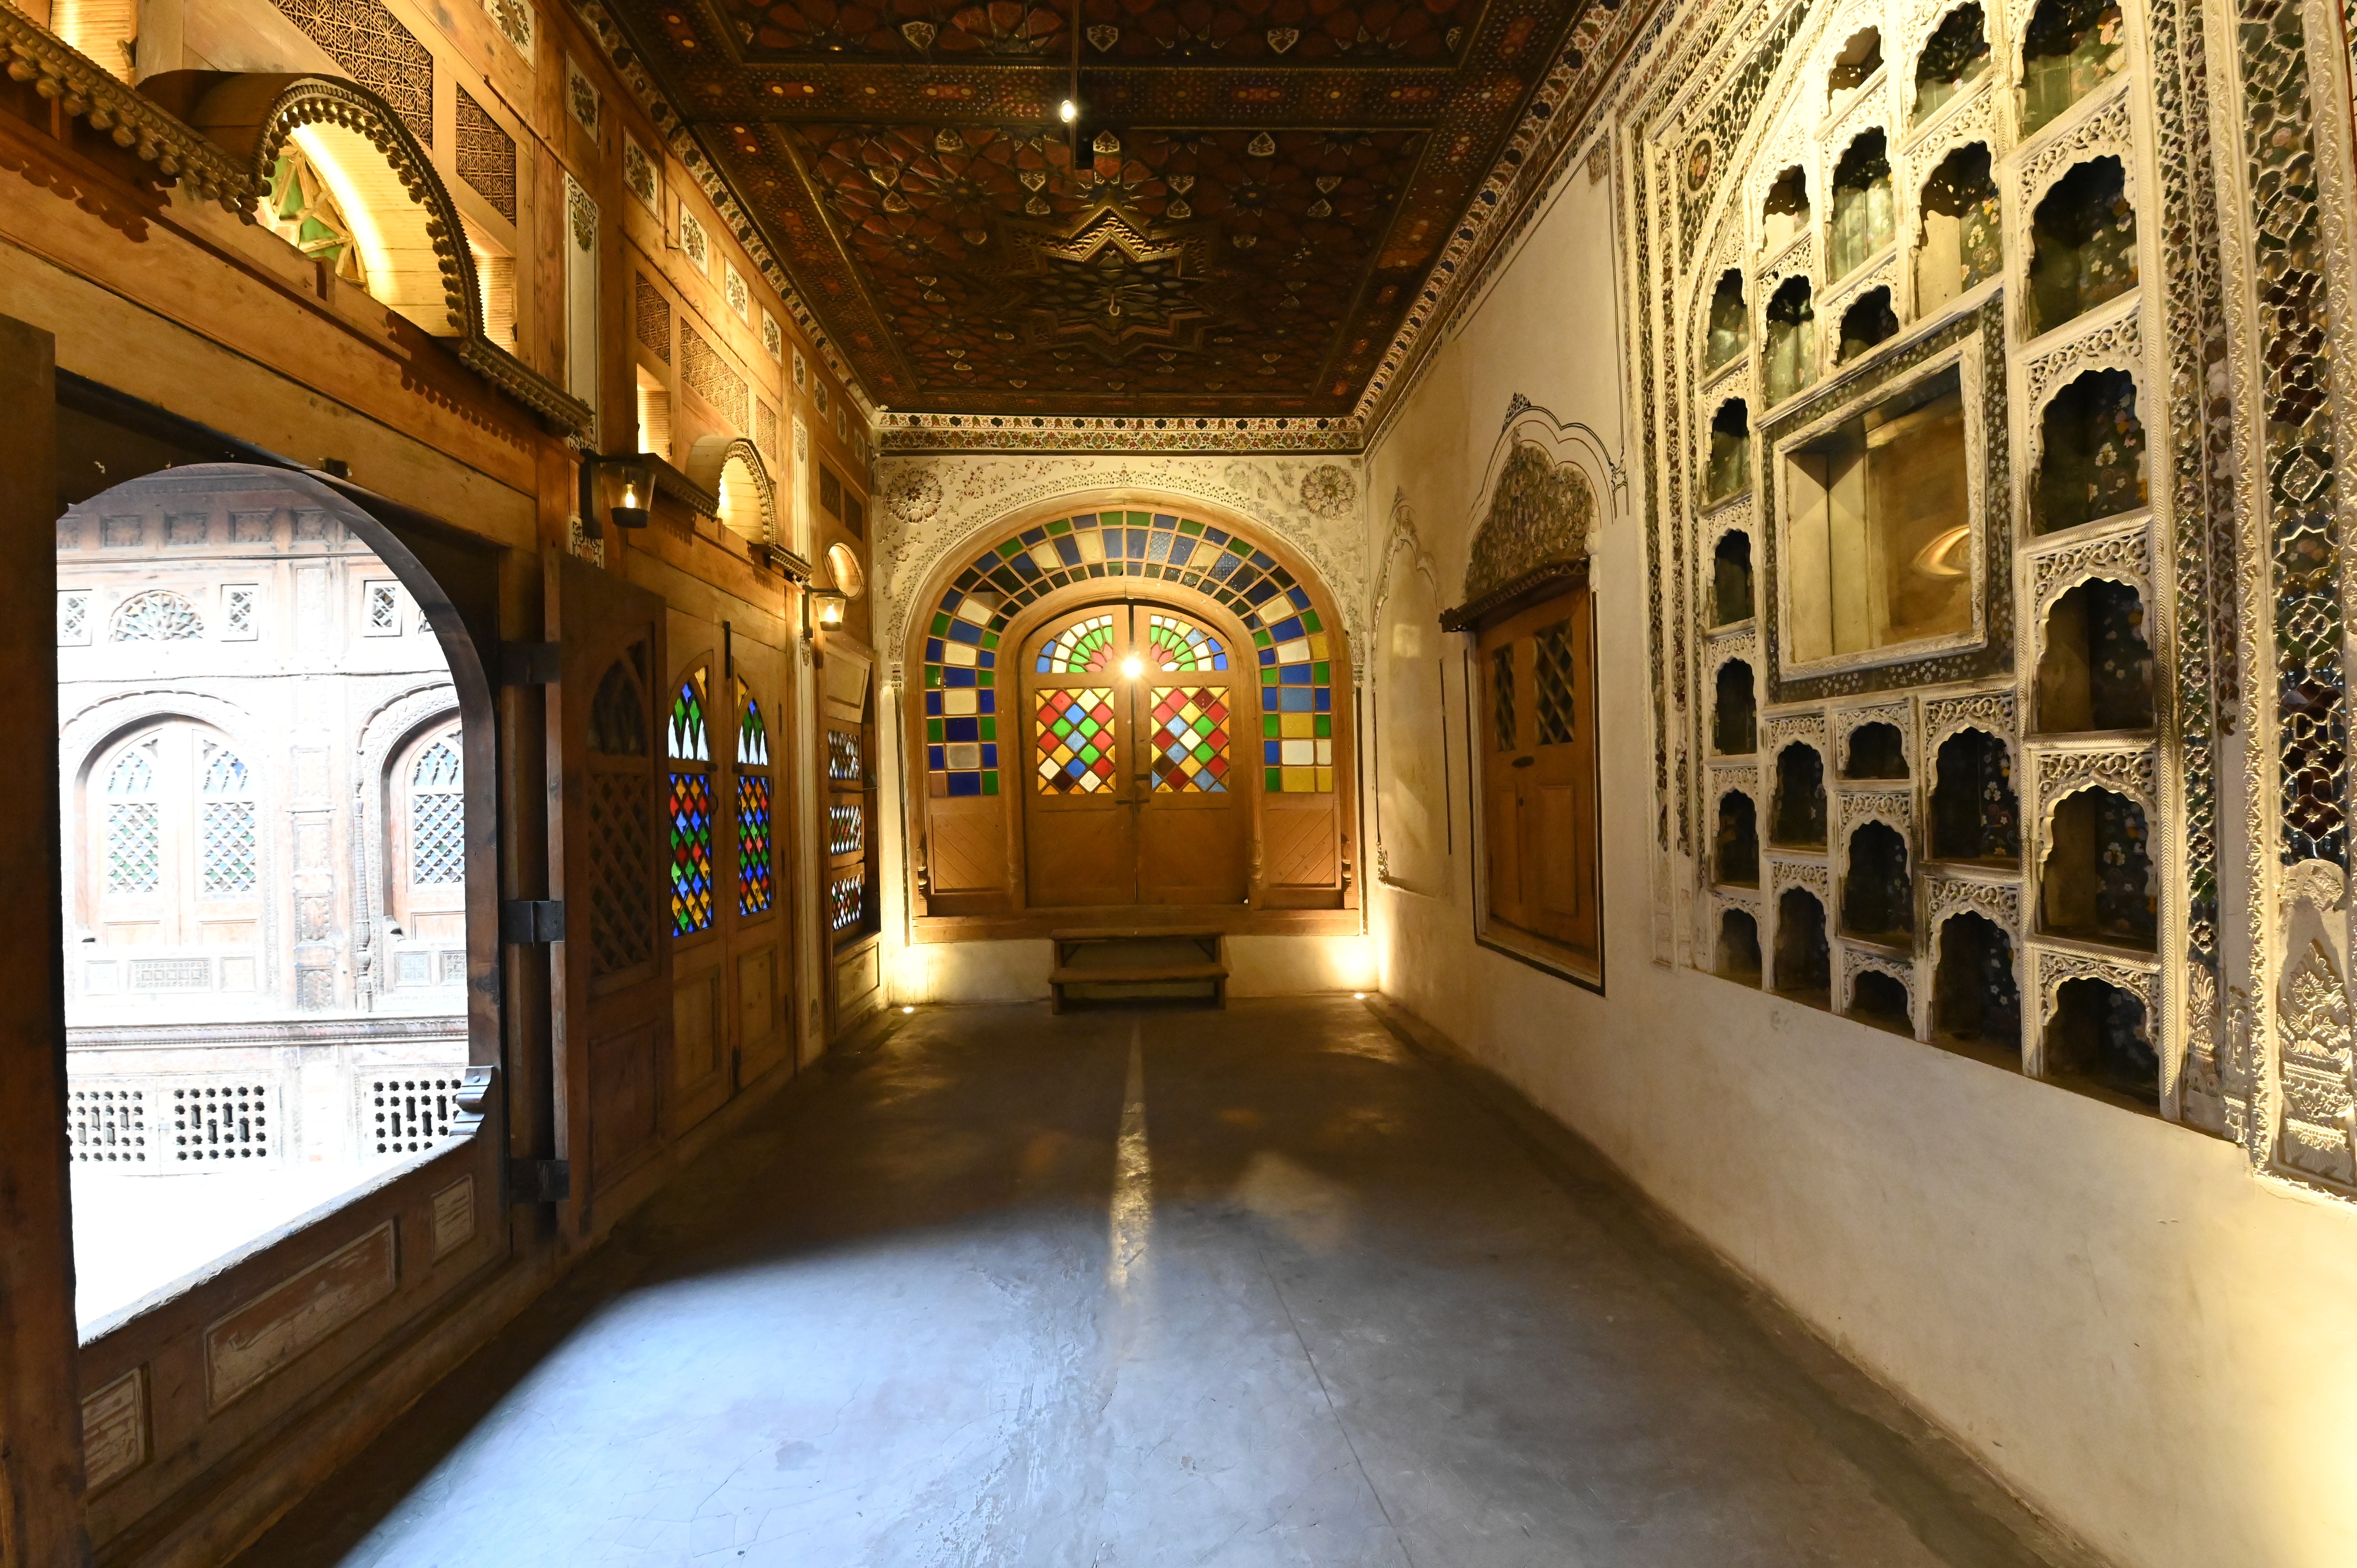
1899, 715
936, 504
2122, 557
1991, 711
2125, 770
1856, 960
1947, 897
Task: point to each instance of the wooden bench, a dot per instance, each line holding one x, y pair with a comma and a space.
1139, 962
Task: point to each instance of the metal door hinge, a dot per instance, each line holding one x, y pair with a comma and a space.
524, 921
540, 1181
530, 663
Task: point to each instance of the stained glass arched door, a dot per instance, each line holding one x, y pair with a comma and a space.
1135, 795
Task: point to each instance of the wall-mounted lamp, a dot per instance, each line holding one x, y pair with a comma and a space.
823, 610
1067, 110
638, 476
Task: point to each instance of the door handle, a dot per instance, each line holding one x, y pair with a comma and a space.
1524, 761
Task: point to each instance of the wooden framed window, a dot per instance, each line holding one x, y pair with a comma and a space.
1535, 745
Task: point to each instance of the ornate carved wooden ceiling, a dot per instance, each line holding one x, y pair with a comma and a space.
1261, 188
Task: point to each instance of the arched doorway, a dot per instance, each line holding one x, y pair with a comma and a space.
1135, 795
996, 853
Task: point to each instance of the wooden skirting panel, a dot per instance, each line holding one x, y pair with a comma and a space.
1231, 920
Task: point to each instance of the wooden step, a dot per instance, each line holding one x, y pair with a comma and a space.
1163, 960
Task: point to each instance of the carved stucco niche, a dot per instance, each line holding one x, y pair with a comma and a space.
1542, 514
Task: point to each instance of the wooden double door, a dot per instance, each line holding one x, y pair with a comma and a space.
1140, 727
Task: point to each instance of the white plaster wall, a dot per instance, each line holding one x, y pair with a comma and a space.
2150, 1345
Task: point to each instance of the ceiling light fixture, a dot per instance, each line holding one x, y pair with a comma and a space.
1067, 110
1131, 668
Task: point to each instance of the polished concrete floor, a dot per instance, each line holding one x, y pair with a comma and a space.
1255, 1287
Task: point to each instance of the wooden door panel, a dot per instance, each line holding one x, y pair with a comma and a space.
967, 851
1297, 841
610, 866
1538, 765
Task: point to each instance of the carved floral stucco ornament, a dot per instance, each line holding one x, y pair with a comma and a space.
915, 495
1540, 514
1327, 490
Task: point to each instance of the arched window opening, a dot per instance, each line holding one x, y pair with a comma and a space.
1974, 998
1180, 644
1791, 358
495, 287
1878, 889
1963, 243
741, 512
1955, 56
1784, 215
1731, 577
1876, 751
690, 809
1854, 66
2070, 49
267, 840
2091, 460
2099, 1041
1976, 815
1799, 819
1804, 968
1738, 957
1869, 320
304, 209
1730, 321
1735, 860
755, 878
654, 413
2094, 669
1730, 451
1881, 999
2098, 885
2083, 240
159, 616
1863, 216
1734, 726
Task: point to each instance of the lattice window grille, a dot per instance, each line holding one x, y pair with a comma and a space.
409, 1112
380, 607
847, 900
215, 1124
1555, 710
135, 836
160, 616
703, 368
621, 914
369, 41
846, 829
107, 1126
74, 618
844, 763
227, 840
487, 156
241, 606
1501, 696
437, 817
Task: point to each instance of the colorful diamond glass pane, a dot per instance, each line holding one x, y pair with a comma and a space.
1190, 739
691, 853
753, 883
688, 740
1074, 733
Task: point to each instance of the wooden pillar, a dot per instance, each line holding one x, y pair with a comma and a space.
40, 1413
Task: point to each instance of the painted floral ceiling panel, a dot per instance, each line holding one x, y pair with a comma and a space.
1256, 191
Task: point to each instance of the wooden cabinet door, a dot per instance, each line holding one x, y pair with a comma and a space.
1539, 773
611, 867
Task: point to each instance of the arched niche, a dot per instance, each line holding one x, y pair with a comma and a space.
1541, 515
968, 741
1804, 958
2099, 1041
413, 248
1735, 710
1976, 999
1878, 900
1738, 955
1799, 811
1734, 851
1882, 1000
1955, 56
2083, 244
1731, 599
731, 469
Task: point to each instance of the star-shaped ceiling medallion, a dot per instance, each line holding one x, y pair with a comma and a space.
1108, 286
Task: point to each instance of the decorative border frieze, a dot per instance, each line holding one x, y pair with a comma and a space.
2086, 133
1944, 897
1776, 734
906, 434
2054, 966
1784, 873
2063, 773
2105, 342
